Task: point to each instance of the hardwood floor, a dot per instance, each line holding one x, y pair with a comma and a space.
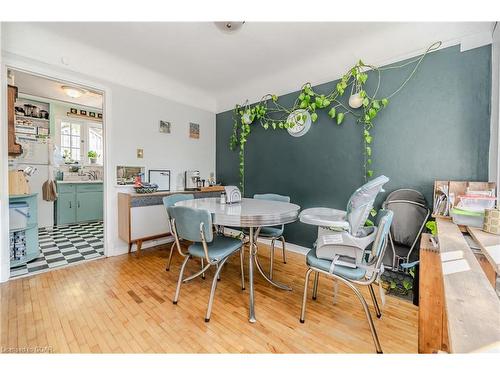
124, 304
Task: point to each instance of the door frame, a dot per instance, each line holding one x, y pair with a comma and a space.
10, 61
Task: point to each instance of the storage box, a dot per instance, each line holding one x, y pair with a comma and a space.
476, 202
468, 218
18, 215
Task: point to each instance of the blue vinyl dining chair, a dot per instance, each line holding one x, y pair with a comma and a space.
364, 273
196, 225
273, 233
169, 201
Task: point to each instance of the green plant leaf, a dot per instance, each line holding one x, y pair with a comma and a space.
314, 116
303, 104
368, 151
385, 101
274, 98
340, 118
369, 173
301, 96
368, 161
366, 101
332, 112
376, 104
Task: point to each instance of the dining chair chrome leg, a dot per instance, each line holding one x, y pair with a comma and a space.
304, 297
375, 302
218, 265
203, 273
196, 274
265, 276
315, 286
367, 312
242, 262
271, 255
179, 282
283, 247
170, 256
212, 291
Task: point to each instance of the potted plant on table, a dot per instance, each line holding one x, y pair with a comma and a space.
92, 156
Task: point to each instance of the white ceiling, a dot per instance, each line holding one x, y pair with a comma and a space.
47, 88
261, 57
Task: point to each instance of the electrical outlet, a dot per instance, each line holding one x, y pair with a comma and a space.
140, 153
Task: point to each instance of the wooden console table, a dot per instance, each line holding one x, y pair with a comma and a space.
141, 217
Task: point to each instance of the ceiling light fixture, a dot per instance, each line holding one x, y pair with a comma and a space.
73, 92
229, 26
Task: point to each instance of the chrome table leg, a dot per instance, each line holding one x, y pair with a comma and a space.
250, 278
271, 262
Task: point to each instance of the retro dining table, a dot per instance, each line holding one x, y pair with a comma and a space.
252, 214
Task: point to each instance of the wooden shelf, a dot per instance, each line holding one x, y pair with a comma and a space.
21, 117
84, 117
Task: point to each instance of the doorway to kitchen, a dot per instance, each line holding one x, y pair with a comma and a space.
56, 173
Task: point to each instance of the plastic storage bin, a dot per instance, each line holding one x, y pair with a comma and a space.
476, 202
18, 215
467, 217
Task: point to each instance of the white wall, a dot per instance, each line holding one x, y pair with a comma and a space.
136, 117
131, 121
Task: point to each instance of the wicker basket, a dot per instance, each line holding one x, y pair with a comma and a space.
145, 189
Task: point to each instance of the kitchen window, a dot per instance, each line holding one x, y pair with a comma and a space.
95, 142
76, 139
71, 140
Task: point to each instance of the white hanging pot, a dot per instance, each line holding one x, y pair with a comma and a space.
246, 119
355, 100
300, 125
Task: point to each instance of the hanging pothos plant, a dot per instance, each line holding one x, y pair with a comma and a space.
363, 106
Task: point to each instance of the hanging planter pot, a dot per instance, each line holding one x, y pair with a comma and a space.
355, 100
299, 121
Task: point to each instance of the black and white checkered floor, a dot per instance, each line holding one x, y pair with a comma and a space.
65, 244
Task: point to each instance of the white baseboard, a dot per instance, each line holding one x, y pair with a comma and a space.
288, 245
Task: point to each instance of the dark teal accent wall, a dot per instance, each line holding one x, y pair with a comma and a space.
437, 127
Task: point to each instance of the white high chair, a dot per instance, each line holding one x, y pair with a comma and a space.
342, 233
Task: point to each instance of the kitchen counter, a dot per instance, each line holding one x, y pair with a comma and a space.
80, 182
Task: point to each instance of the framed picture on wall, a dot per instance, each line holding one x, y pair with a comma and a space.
165, 127
194, 130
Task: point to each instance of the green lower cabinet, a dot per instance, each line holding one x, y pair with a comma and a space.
79, 202
89, 206
66, 208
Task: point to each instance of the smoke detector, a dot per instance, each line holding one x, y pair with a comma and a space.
229, 26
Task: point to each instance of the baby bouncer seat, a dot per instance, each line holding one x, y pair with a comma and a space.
342, 236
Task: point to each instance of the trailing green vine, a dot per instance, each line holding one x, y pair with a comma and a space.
364, 107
